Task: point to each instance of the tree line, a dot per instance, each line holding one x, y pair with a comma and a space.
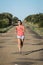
7, 19
35, 19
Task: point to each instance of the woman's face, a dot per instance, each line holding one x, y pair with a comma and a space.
18, 22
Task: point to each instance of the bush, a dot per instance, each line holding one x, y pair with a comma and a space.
35, 19
3, 30
4, 23
41, 24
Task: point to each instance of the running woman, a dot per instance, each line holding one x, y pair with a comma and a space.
20, 35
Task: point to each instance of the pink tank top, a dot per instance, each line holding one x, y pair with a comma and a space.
20, 30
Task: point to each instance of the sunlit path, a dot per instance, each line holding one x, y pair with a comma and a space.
32, 49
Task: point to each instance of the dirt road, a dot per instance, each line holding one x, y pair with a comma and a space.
32, 49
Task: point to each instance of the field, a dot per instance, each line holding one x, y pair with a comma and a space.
3, 30
35, 28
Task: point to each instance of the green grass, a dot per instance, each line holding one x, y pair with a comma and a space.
36, 28
3, 30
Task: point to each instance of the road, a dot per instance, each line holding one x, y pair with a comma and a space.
32, 49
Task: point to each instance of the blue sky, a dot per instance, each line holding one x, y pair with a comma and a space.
21, 8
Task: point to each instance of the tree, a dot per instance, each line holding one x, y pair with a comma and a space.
35, 19
5, 19
9, 16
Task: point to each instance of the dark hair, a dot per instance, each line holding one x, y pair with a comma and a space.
20, 22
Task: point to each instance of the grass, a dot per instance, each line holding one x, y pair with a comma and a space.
36, 28
3, 30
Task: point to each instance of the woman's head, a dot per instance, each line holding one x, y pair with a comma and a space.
19, 22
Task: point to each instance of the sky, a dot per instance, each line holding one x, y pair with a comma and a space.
21, 8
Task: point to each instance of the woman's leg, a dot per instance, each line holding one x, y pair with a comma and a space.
19, 45
22, 40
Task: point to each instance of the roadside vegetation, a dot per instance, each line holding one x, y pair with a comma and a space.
7, 21
35, 22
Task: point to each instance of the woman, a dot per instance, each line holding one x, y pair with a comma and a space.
20, 35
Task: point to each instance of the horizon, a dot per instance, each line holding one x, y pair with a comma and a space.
21, 8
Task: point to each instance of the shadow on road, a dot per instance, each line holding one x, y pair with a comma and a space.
23, 63
28, 52
31, 59
33, 51
38, 43
2, 46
